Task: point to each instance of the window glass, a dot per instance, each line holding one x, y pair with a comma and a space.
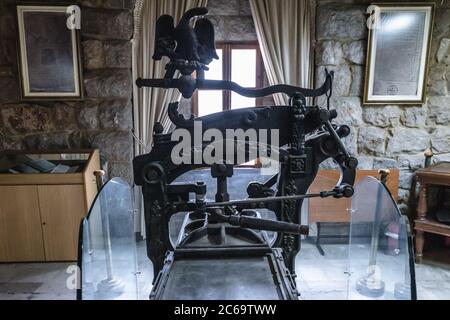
243, 72
210, 101
243, 67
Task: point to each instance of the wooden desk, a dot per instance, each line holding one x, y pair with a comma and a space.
332, 210
436, 175
335, 210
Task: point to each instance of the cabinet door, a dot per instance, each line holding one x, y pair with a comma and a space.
20, 224
62, 208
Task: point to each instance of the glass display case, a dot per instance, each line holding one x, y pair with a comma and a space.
380, 258
107, 249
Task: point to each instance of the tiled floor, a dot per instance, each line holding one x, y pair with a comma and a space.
319, 277
34, 281
323, 277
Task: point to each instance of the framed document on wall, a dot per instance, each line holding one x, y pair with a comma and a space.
398, 52
49, 54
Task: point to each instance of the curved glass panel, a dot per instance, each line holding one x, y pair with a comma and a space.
108, 248
380, 255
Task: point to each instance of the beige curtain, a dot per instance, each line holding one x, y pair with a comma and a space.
285, 37
150, 105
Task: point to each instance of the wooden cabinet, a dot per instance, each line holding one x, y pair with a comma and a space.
20, 223
62, 209
40, 213
437, 175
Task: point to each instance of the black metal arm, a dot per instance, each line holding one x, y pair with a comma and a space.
187, 85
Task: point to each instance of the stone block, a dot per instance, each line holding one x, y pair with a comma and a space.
412, 162
234, 28
441, 23
382, 116
93, 54
114, 146
9, 90
223, 7
442, 157
244, 8
117, 54
384, 163
8, 142
414, 117
348, 109
443, 53
337, 21
329, 52
342, 79
356, 88
355, 52
111, 24
438, 80
365, 163
26, 118
440, 140
116, 114
403, 195
122, 170
108, 83
88, 117
64, 116
350, 142
405, 179
372, 140
8, 23
48, 141
439, 110
107, 4
408, 141
8, 52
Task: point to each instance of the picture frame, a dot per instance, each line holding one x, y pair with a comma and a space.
49, 54
398, 50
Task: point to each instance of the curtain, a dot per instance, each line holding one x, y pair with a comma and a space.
285, 36
150, 104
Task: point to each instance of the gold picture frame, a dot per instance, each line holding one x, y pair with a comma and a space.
49, 54
398, 51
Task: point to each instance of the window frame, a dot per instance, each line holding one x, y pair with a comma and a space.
227, 47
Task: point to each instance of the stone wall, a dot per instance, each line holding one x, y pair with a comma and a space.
232, 20
393, 136
104, 118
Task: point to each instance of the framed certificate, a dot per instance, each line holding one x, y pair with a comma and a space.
398, 52
49, 54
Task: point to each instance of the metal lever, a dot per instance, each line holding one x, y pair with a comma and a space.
262, 224
187, 85
343, 190
350, 162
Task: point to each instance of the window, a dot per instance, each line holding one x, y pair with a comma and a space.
238, 62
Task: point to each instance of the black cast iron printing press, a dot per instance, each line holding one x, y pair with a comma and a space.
224, 250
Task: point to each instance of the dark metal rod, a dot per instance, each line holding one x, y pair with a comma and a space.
193, 84
270, 199
255, 93
336, 138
